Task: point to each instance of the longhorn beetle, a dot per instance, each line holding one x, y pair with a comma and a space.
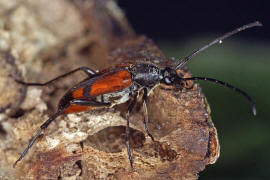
117, 85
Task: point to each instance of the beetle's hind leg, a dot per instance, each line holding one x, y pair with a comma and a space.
38, 134
91, 103
87, 70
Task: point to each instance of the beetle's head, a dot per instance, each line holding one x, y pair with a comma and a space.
170, 77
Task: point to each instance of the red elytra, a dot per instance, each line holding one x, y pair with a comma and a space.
111, 82
77, 108
108, 83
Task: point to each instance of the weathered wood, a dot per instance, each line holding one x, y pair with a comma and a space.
40, 40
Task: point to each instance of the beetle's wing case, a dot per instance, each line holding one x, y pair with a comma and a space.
108, 88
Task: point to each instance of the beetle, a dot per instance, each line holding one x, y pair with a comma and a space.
123, 82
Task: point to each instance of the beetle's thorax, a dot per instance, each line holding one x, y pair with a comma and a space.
146, 75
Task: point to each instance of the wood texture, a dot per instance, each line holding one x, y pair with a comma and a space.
40, 40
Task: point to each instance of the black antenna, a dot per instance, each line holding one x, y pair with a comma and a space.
219, 39
226, 85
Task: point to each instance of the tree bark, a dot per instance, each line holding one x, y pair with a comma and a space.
40, 40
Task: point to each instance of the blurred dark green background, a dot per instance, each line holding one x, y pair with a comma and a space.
179, 27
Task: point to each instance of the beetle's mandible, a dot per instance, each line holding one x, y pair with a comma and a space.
117, 85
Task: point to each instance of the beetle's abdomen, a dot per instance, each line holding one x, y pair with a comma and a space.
111, 82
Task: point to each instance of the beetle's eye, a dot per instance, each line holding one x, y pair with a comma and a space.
167, 81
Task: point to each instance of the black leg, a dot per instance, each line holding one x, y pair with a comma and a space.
130, 107
145, 119
38, 134
53, 117
87, 70
85, 102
